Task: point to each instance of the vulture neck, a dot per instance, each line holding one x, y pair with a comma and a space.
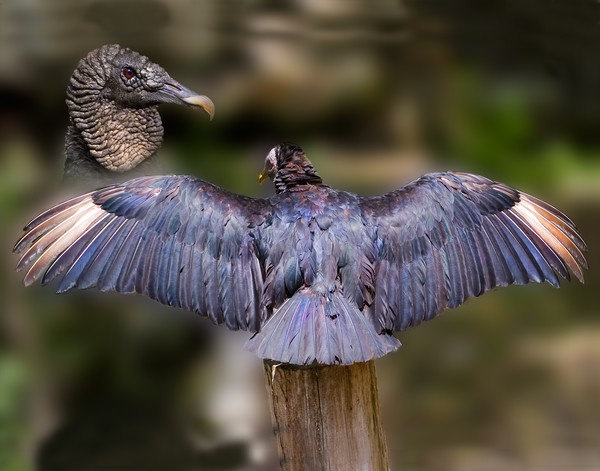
118, 139
294, 173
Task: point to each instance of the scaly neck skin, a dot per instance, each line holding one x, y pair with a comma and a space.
296, 171
118, 139
80, 165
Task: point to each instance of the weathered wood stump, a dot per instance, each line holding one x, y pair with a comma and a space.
326, 417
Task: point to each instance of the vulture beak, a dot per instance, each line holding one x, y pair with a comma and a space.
270, 166
173, 92
203, 102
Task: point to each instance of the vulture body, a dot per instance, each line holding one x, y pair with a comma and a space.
112, 101
319, 275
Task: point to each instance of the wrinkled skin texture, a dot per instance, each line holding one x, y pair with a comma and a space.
112, 101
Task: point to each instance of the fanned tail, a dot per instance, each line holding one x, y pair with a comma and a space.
311, 327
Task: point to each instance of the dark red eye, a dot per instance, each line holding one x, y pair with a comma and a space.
128, 73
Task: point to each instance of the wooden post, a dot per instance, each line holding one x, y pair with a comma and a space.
326, 417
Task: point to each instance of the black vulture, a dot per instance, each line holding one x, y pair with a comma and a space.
319, 275
112, 100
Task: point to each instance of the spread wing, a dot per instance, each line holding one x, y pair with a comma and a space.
449, 236
178, 240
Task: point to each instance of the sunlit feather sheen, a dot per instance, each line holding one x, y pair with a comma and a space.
54, 242
555, 238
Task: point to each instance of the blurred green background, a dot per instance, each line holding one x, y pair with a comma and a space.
378, 93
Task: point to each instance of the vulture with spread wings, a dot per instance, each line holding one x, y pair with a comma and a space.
317, 274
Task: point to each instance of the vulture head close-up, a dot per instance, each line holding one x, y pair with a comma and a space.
112, 101
316, 274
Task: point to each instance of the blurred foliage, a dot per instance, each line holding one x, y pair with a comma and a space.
13, 427
378, 93
498, 129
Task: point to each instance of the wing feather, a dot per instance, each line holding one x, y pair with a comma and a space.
450, 236
179, 240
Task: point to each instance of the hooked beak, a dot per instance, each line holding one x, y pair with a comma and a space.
270, 166
203, 102
174, 92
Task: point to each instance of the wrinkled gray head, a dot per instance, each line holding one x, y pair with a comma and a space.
112, 98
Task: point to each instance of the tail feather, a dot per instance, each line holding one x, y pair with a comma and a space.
310, 327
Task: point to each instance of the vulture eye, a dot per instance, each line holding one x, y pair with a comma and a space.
128, 73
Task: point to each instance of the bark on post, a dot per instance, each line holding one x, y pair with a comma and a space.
326, 417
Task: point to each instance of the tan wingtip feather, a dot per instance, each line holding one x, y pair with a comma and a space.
57, 241
556, 217
36, 232
554, 236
